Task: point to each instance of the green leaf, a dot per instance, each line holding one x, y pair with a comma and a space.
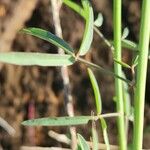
105, 134
58, 121
96, 91
122, 63
82, 143
88, 33
125, 33
131, 117
94, 137
47, 36
135, 60
75, 7
99, 20
40, 59
126, 98
129, 44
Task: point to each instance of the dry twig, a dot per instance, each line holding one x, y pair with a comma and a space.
7, 127
58, 137
42, 148
56, 5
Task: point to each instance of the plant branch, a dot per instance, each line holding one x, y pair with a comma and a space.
7, 127
104, 39
118, 71
90, 64
56, 136
56, 5
139, 98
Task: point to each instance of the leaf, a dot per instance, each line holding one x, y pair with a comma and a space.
88, 33
105, 134
75, 7
94, 137
58, 121
47, 36
129, 44
82, 143
96, 91
125, 33
131, 117
135, 60
126, 98
122, 63
40, 59
99, 20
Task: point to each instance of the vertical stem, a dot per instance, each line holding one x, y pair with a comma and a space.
141, 76
56, 5
118, 71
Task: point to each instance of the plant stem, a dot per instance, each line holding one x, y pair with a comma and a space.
104, 39
141, 76
56, 6
101, 69
118, 71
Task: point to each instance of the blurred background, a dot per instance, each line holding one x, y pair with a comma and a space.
34, 92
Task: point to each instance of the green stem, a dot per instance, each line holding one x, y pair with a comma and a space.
101, 69
118, 70
141, 76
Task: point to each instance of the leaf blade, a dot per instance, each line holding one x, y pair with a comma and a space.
58, 121
39, 59
82, 143
49, 37
125, 33
96, 91
88, 32
99, 20
129, 44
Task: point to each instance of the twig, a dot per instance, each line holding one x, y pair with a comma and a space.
56, 5
42, 148
7, 127
59, 137
104, 39
101, 146
90, 64
110, 115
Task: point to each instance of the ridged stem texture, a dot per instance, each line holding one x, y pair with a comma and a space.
118, 71
141, 76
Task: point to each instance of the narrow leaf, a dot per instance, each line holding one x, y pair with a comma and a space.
40, 59
58, 121
96, 91
125, 33
131, 117
129, 44
99, 20
82, 143
47, 36
88, 33
135, 60
122, 63
126, 98
105, 134
75, 7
